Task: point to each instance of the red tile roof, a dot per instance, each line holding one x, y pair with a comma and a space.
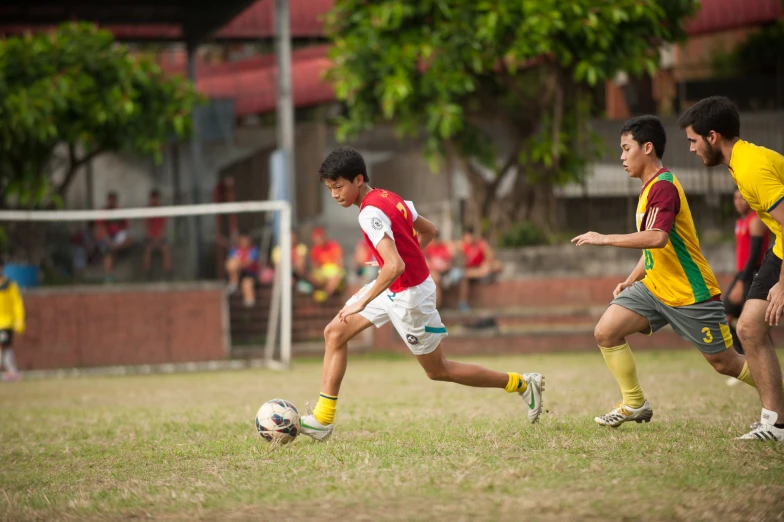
253, 90
721, 15
258, 21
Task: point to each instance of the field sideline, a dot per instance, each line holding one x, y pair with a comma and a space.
184, 447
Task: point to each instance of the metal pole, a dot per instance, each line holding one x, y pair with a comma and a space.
195, 147
285, 112
285, 280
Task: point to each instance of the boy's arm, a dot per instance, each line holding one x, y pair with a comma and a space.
392, 269
663, 205
426, 231
19, 313
646, 239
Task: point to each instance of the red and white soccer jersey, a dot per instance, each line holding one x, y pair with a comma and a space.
410, 302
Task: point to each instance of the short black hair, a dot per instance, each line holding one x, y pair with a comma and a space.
111, 194
343, 162
716, 113
155, 193
646, 129
468, 230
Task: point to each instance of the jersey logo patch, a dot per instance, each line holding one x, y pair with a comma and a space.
412, 340
376, 224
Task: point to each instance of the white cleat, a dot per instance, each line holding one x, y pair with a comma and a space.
312, 428
533, 395
622, 413
765, 429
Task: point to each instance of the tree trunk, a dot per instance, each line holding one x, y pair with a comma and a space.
74, 164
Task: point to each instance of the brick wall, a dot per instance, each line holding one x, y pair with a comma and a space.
123, 325
566, 291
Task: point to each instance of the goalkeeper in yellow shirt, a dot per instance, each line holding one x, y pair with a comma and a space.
12, 320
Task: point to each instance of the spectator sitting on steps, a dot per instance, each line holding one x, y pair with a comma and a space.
480, 263
299, 263
155, 228
327, 272
242, 267
112, 237
440, 259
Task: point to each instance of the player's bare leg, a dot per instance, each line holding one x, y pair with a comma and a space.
765, 368
337, 334
610, 333
729, 362
530, 386
248, 291
336, 337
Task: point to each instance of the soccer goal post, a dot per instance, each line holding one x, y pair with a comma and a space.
277, 337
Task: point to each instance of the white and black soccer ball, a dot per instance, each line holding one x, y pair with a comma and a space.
278, 421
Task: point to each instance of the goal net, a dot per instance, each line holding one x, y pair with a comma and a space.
158, 285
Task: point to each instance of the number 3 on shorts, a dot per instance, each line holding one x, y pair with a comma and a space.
708, 335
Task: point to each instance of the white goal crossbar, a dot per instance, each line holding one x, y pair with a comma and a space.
281, 306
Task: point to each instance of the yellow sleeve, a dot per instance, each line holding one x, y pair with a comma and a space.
19, 312
769, 187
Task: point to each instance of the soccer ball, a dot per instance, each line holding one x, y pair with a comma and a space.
278, 421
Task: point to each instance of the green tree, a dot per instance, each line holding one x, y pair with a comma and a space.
503, 86
76, 92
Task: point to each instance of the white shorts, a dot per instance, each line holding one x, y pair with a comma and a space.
412, 312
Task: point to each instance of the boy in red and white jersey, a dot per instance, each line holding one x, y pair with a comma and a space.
404, 293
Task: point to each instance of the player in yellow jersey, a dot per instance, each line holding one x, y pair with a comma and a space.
712, 128
12, 320
671, 284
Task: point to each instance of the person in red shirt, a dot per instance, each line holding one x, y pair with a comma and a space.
480, 263
404, 294
155, 228
440, 259
752, 240
326, 257
111, 236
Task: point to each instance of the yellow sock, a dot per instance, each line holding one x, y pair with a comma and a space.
516, 383
325, 409
621, 363
745, 375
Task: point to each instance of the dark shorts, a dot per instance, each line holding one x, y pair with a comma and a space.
768, 275
6, 338
246, 273
156, 242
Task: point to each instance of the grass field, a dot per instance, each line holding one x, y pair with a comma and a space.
184, 447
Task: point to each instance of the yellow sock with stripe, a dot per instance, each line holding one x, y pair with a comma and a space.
621, 363
516, 383
325, 409
745, 375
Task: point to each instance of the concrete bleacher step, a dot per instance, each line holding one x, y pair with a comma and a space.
249, 324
